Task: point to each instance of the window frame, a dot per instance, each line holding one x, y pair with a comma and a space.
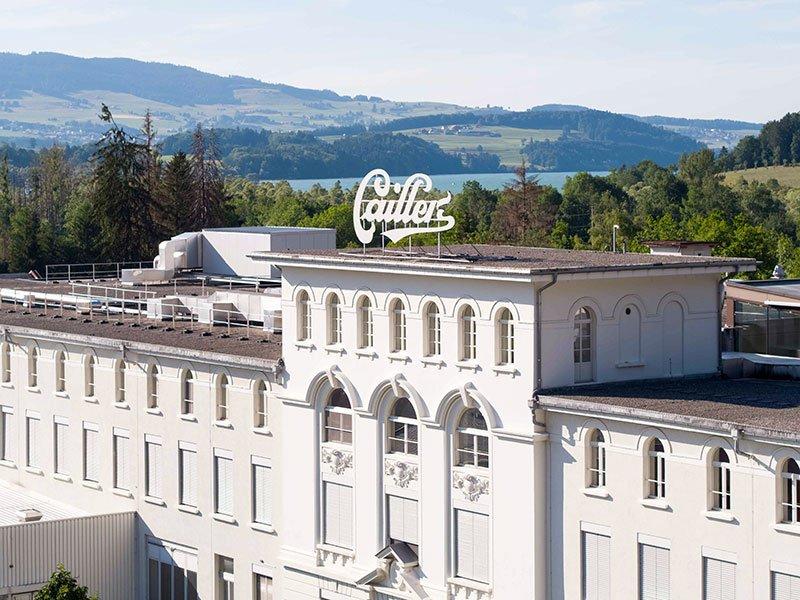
366, 323
120, 369
596, 467
462, 450
260, 405
303, 308
583, 328
60, 372
152, 374
506, 342
399, 326
187, 392
221, 400
410, 447
334, 317
656, 475
468, 334
433, 330
33, 366
89, 376
790, 492
721, 481
340, 429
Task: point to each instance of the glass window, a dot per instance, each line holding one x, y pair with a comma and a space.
721, 475
222, 398
398, 316
366, 326
89, 376
468, 334
334, 320
597, 459
505, 323
152, 386
433, 330
791, 492
6, 362
656, 470
225, 577
263, 587
187, 394
403, 434
338, 418
472, 445
260, 417
119, 376
61, 380
583, 346
303, 316
33, 367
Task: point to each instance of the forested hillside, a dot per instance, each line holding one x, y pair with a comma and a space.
777, 144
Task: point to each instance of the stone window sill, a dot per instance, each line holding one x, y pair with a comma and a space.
122, 405
34, 470
192, 510
91, 399
224, 518
792, 528
721, 515
307, 344
7, 384
468, 365
505, 369
469, 584
596, 492
224, 424
630, 365
366, 353
61, 394
337, 550
262, 430
433, 361
398, 357
92, 485
262, 527
656, 503
189, 418
62, 477
122, 493
8, 464
154, 411
34, 389
335, 349
154, 500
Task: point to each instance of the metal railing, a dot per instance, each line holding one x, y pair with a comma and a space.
93, 271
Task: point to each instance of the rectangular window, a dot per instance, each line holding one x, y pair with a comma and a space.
596, 551
263, 587
785, 587
32, 427
338, 514
719, 579
262, 491
653, 573
171, 572
152, 465
187, 464
223, 482
91, 449
60, 449
7, 431
121, 442
472, 545
224, 578
403, 520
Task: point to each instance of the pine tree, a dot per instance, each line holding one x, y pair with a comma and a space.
208, 202
82, 230
63, 586
23, 249
153, 173
178, 194
6, 202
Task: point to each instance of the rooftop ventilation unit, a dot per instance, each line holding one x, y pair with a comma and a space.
28, 515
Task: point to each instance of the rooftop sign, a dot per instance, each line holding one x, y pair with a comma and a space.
401, 217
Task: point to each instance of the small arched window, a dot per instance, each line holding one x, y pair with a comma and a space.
119, 380
583, 345
469, 343
187, 393
61, 378
89, 376
366, 330
398, 318
597, 459
790, 491
303, 316
721, 480
472, 445
334, 320
260, 416
152, 387
6, 360
656, 470
338, 418
505, 333
433, 330
222, 398
403, 432
33, 366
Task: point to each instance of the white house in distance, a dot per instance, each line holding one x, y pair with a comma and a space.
470, 422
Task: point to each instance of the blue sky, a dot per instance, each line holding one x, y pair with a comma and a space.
709, 58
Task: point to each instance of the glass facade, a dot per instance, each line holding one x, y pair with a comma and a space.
766, 329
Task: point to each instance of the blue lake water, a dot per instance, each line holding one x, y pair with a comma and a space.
452, 182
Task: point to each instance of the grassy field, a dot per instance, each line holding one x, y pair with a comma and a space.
786, 176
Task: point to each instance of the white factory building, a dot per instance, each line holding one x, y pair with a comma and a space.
263, 416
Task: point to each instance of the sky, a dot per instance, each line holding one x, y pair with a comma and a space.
707, 58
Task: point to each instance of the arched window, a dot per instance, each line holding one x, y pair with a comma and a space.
152, 387
433, 330
303, 316
583, 345
338, 418
260, 416
89, 376
656, 470
33, 366
222, 398
630, 335
505, 333
469, 349
472, 446
6, 362
365, 324
187, 393
403, 431
334, 320
790, 500
398, 318
597, 459
61, 379
119, 380
721, 480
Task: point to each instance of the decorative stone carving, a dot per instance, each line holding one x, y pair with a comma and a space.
463, 591
472, 486
338, 460
328, 556
401, 472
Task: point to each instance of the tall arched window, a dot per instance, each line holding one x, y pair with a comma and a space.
597, 459
222, 398
61, 379
433, 330
334, 320
398, 322
656, 470
365, 323
583, 345
187, 393
721, 480
338, 418
505, 334
303, 316
119, 380
469, 348
152, 387
260, 415
790, 492
89, 365
6, 359
33, 366
403, 432
472, 445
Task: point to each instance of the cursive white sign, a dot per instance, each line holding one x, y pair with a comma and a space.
401, 217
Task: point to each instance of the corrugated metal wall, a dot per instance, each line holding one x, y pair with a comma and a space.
99, 550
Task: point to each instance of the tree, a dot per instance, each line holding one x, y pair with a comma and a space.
207, 207
82, 230
23, 250
63, 586
526, 211
52, 181
6, 200
177, 193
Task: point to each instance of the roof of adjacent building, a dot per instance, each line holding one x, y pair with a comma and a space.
14, 498
782, 288
765, 407
510, 259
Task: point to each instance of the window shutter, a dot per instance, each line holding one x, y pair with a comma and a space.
262, 487
596, 556
61, 449
224, 485
8, 436
338, 515
719, 579
403, 519
653, 572
90, 455
785, 587
472, 545
33, 442
153, 469
189, 477
121, 465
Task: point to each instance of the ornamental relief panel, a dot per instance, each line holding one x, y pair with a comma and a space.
471, 486
401, 473
338, 460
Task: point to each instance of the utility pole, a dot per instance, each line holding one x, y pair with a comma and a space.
614, 238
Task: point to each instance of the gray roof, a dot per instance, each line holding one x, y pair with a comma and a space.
788, 288
14, 498
765, 407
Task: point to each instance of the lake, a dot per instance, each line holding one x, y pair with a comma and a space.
453, 182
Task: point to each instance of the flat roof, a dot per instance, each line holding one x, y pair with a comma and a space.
14, 498
489, 259
786, 288
758, 406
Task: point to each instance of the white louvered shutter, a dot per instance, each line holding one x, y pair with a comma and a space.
653, 572
8, 436
91, 470
188, 477
262, 491
785, 587
596, 557
153, 469
719, 579
472, 545
60, 451
33, 442
121, 462
338, 515
403, 518
224, 474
